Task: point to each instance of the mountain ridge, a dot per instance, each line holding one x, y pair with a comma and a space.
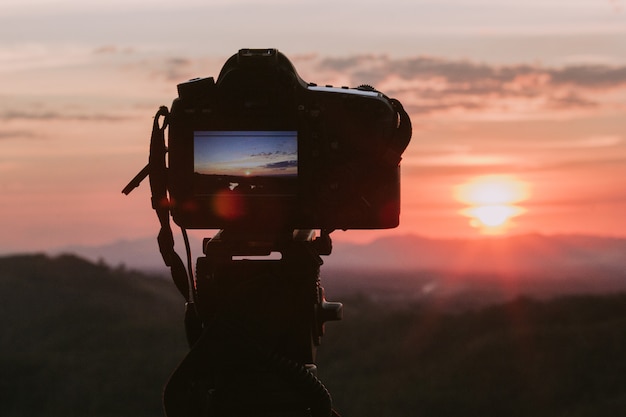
511, 256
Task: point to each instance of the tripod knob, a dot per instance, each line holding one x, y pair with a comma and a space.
325, 311
330, 311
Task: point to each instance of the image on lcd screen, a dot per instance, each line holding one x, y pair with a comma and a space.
259, 162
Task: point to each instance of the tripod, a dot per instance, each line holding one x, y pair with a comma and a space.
255, 329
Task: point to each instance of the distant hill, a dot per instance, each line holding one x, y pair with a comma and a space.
513, 255
471, 271
141, 254
81, 338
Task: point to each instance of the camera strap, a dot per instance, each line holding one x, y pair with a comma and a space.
156, 170
160, 203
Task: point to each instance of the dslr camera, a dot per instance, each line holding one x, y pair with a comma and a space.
261, 149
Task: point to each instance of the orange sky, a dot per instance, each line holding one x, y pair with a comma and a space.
502, 92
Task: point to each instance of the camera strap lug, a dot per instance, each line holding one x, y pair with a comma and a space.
402, 136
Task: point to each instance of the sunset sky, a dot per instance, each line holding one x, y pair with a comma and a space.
527, 99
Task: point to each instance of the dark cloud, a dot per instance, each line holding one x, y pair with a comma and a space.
282, 165
455, 72
458, 72
431, 84
376, 69
268, 154
590, 76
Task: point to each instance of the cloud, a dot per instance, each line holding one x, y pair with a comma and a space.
570, 100
588, 142
590, 76
378, 68
433, 85
271, 154
171, 69
47, 115
428, 84
175, 69
282, 165
113, 50
16, 134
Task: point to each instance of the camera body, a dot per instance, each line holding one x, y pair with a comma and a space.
261, 149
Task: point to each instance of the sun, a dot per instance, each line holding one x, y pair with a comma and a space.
492, 219
492, 201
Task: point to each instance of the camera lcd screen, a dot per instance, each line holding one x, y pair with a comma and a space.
260, 163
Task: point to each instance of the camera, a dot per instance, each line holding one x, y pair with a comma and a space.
261, 149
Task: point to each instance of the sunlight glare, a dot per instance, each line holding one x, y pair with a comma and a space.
492, 216
491, 200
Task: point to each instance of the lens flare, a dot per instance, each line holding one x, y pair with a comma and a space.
228, 206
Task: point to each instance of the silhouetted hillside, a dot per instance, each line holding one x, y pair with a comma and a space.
85, 339
524, 358
82, 339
